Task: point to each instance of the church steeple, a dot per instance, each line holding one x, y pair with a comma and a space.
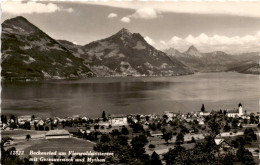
240, 110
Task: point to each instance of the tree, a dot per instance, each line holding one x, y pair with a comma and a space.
138, 143
225, 112
250, 132
151, 146
96, 126
245, 156
122, 140
202, 108
227, 127
12, 117
3, 119
234, 123
172, 154
138, 118
155, 159
28, 136
184, 130
228, 159
167, 136
137, 127
252, 119
104, 138
193, 140
241, 141
13, 125
214, 125
104, 116
147, 118
125, 131
115, 132
46, 128
179, 138
152, 126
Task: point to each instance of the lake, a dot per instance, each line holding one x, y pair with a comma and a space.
126, 95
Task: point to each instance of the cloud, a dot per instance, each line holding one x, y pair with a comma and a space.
204, 43
213, 7
145, 13
125, 19
112, 15
18, 7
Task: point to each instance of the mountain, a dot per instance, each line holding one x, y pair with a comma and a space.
29, 53
173, 52
203, 62
217, 61
248, 67
191, 60
193, 51
249, 63
126, 53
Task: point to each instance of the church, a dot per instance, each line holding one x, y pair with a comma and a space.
236, 112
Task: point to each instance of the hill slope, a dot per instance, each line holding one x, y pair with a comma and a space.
126, 53
29, 53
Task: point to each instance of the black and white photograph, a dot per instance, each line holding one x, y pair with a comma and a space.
128, 82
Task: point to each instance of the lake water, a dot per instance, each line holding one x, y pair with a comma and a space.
126, 95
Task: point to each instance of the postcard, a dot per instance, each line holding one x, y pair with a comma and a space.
130, 82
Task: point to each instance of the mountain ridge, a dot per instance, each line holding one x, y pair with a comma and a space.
126, 53
29, 53
217, 61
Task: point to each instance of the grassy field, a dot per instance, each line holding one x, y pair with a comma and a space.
59, 145
38, 142
21, 133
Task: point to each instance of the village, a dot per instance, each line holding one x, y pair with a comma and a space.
229, 129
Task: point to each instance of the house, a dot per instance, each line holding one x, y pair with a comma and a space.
57, 134
223, 145
72, 130
23, 119
103, 123
156, 133
85, 118
40, 123
9, 142
201, 121
170, 115
204, 113
118, 120
75, 117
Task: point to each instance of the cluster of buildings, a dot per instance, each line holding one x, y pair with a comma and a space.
116, 120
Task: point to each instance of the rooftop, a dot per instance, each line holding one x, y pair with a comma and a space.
57, 132
117, 115
232, 111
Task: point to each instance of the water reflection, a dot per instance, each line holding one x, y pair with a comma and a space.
89, 97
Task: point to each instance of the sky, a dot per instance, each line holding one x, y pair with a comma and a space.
233, 27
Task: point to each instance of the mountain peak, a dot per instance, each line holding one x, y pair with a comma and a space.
124, 32
193, 51
19, 23
15, 20
192, 47
173, 52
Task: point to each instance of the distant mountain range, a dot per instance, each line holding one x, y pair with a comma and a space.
29, 53
217, 61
